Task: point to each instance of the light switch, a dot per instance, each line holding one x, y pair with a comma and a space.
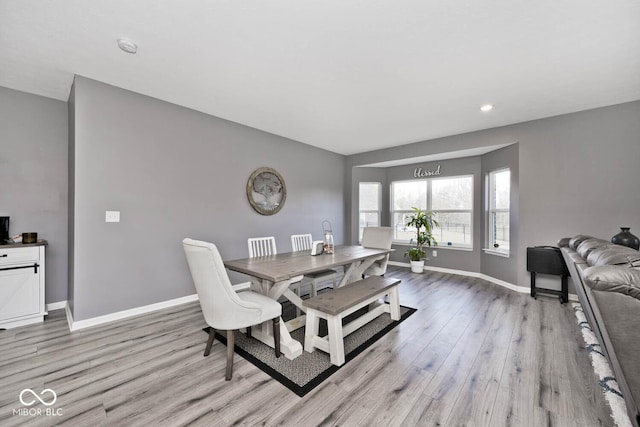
435, 253
112, 216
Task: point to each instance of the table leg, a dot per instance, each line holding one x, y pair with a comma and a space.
300, 320
355, 270
348, 273
264, 333
288, 346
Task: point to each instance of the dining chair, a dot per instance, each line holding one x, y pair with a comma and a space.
223, 308
303, 242
378, 238
264, 246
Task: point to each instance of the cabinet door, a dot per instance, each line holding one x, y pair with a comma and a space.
19, 293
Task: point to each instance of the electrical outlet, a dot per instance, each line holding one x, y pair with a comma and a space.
112, 216
434, 253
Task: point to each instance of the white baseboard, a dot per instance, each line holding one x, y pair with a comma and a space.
516, 288
99, 320
56, 305
69, 316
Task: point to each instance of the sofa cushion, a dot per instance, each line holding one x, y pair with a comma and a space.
614, 255
575, 241
585, 248
611, 278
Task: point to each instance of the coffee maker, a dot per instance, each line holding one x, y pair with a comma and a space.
4, 230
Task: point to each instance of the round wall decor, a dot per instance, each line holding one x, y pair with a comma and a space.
266, 191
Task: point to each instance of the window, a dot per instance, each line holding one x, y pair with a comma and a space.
498, 228
369, 206
450, 198
452, 201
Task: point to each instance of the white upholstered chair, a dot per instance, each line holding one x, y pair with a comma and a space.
379, 238
303, 242
222, 307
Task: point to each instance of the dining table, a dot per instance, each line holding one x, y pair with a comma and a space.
272, 275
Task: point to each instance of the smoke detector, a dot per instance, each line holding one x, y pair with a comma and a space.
127, 46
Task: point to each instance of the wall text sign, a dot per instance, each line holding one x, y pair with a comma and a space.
421, 173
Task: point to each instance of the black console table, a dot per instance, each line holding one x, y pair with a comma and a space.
548, 260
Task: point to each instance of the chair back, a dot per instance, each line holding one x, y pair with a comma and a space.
262, 246
301, 242
221, 306
377, 237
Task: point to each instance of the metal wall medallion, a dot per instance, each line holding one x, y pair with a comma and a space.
266, 191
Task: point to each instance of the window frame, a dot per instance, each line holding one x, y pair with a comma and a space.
490, 239
360, 211
429, 200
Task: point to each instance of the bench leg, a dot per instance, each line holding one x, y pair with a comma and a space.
311, 330
336, 340
394, 302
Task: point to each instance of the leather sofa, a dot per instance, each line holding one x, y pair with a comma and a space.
607, 281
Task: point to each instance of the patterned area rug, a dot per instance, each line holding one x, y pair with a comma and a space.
309, 370
602, 369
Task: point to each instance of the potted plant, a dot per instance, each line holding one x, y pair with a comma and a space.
424, 222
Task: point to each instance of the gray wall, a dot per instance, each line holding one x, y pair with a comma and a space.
493, 265
446, 258
578, 173
33, 177
476, 260
174, 173
466, 260
71, 195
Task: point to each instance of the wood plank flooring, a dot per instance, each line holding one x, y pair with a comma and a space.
474, 354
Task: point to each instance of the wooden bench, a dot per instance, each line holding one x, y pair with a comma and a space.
335, 304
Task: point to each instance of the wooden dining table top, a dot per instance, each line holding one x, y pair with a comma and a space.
284, 266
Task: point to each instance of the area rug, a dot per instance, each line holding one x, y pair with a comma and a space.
602, 369
309, 370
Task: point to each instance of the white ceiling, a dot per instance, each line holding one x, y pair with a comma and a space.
348, 76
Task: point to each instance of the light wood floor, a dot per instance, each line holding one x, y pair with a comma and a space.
474, 354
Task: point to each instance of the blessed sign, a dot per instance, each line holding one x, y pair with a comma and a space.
421, 173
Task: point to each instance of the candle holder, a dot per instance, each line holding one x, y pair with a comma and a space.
328, 237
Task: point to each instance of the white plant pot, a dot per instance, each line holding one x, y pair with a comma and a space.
417, 266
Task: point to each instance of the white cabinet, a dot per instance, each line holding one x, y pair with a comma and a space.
21, 284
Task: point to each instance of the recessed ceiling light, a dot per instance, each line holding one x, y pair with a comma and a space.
486, 107
127, 46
